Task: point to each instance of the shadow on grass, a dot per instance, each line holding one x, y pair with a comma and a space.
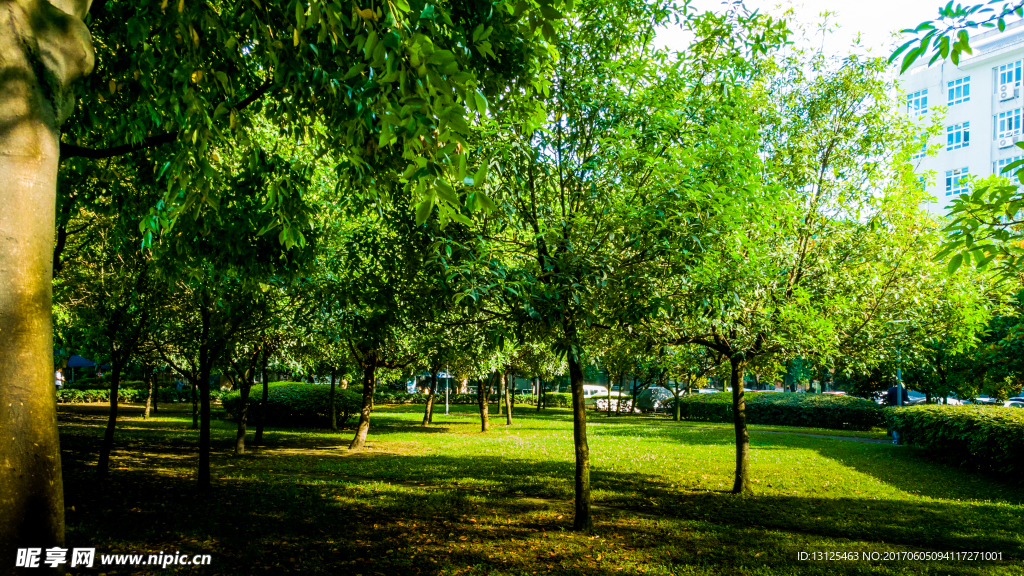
307, 505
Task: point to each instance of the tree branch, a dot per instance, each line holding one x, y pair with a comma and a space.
73, 151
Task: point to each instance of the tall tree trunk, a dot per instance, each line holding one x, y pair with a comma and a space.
156, 394
149, 392
204, 417
103, 466
44, 48
364, 415
428, 411
540, 393
501, 393
509, 388
483, 392
195, 405
583, 520
741, 484
261, 418
334, 409
243, 412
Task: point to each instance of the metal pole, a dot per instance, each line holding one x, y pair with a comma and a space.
899, 380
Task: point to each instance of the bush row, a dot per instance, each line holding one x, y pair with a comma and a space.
296, 404
785, 409
389, 397
76, 396
989, 437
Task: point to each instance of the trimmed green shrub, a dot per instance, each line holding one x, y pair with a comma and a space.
988, 437
131, 395
296, 404
830, 411
557, 400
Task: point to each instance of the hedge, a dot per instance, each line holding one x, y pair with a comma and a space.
392, 397
296, 404
989, 437
785, 409
76, 396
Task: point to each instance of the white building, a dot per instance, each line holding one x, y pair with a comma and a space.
983, 101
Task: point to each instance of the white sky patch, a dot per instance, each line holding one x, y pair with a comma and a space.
873, 22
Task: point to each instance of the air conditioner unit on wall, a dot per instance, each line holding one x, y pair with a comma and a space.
1007, 92
1007, 141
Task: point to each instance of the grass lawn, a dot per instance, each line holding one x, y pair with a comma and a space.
451, 500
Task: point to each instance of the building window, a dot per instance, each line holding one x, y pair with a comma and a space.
956, 181
1008, 123
958, 136
1009, 74
997, 167
960, 91
917, 103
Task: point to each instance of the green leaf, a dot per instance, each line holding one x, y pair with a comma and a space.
446, 192
423, 210
954, 264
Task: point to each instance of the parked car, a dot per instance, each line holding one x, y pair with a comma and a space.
591, 393
1013, 404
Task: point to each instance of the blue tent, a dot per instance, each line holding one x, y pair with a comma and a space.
79, 362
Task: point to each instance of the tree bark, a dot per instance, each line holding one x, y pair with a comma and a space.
364, 415
44, 48
243, 415
334, 409
501, 393
741, 484
103, 466
195, 405
149, 392
540, 393
156, 394
482, 393
428, 411
509, 383
583, 521
261, 418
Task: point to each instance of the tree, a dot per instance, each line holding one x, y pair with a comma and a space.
579, 168
806, 246
37, 98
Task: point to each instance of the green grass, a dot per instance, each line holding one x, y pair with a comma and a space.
451, 500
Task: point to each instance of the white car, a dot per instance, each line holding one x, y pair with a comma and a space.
1013, 404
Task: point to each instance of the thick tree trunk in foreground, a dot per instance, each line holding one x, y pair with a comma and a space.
741, 484
509, 383
36, 38
428, 411
583, 520
262, 416
364, 415
483, 392
103, 466
334, 409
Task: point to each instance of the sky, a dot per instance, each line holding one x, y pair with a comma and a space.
875, 20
